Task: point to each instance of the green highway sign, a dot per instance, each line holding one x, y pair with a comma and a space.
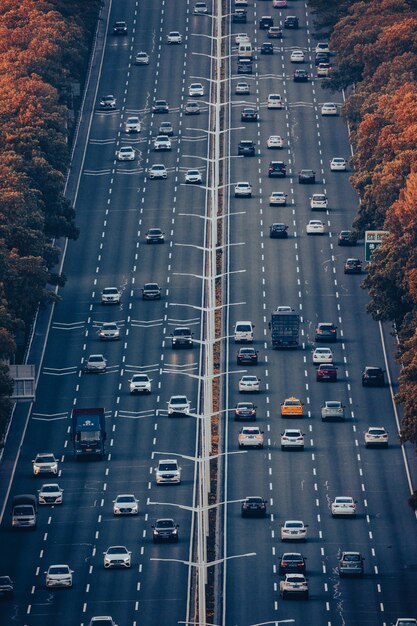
373, 239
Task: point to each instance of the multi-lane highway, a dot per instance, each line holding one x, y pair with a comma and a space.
116, 204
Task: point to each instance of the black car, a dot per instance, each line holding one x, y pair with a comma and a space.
301, 76
266, 22
352, 266
267, 48
6, 587
346, 238
321, 57
373, 377
291, 21
165, 530
160, 106
239, 16
253, 505
246, 147
245, 411
249, 114
278, 231
277, 168
182, 337
306, 177
292, 562
326, 331
154, 235
120, 28
247, 355
151, 291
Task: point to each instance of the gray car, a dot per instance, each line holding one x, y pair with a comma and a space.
351, 564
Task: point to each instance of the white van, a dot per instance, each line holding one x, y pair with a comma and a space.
245, 50
243, 332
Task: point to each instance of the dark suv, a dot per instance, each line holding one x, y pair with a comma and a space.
246, 147
249, 115
267, 48
266, 22
301, 76
326, 331
306, 177
346, 238
239, 16
278, 231
245, 411
291, 21
373, 377
120, 28
277, 168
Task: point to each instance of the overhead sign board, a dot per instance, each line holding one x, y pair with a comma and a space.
373, 239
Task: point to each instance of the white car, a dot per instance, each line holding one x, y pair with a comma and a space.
315, 227
200, 8
142, 58
126, 153
322, 355
242, 38
109, 331
162, 142
157, 171
292, 438
322, 46
102, 620
275, 141
376, 436
117, 556
297, 56
343, 505
140, 383
329, 108
45, 463
242, 88
95, 363
278, 198
406, 621
166, 128
110, 295
294, 530
243, 190
168, 472
332, 410
274, 101
251, 437
50, 493
338, 164
59, 576
174, 37
193, 176
294, 585
132, 124
249, 384
178, 405
318, 201
195, 89
125, 504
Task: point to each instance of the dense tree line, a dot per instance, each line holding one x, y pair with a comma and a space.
44, 47
376, 46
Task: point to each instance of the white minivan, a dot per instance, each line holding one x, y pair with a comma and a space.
245, 50
243, 332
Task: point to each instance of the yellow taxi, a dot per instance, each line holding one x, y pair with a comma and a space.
292, 406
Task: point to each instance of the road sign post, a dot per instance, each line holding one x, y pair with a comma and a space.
373, 239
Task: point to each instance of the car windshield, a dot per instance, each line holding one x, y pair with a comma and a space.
250, 431
140, 378
292, 403
179, 400
293, 525
255, 500
117, 550
354, 558
167, 467
249, 379
165, 523
45, 458
125, 499
50, 488
377, 431
58, 570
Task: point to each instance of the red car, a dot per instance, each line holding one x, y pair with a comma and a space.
326, 371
